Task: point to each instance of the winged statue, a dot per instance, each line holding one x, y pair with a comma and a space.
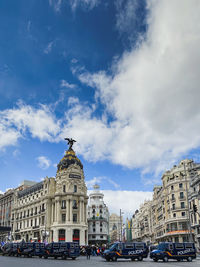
70, 142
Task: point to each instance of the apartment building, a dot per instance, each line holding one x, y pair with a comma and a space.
6, 206
168, 216
194, 200
115, 227
98, 218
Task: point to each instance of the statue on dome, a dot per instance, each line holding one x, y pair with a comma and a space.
70, 142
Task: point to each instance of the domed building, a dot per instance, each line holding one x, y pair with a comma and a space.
54, 209
98, 218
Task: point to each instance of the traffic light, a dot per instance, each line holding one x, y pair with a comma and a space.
194, 208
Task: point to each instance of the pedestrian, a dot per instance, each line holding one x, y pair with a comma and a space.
88, 252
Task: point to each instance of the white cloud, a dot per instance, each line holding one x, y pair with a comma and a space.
16, 153
102, 180
56, 4
43, 162
127, 201
65, 84
130, 18
88, 4
39, 122
153, 94
48, 49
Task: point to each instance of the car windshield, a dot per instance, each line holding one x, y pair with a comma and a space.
113, 246
162, 246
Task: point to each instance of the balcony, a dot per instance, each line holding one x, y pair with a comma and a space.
17, 231
172, 199
63, 208
36, 227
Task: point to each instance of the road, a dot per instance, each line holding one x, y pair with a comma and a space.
82, 261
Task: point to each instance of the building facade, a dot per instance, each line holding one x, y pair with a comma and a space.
6, 206
54, 209
194, 200
98, 218
115, 228
168, 216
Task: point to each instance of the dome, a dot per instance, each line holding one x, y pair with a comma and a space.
69, 158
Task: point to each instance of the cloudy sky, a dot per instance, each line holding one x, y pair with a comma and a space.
121, 77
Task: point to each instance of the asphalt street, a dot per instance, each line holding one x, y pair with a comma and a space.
82, 261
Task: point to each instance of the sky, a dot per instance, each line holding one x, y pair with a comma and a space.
120, 77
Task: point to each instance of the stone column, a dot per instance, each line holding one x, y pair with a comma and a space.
52, 212
80, 210
68, 210
71, 210
59, 211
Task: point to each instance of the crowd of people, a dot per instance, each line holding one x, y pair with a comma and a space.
91, 250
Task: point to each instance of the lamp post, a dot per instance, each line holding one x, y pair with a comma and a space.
120, 239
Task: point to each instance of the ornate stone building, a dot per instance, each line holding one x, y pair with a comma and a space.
54, 209
168, 217
98, 218
194, 199
6, 206
115, 227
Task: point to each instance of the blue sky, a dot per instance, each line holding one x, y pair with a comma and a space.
121, 77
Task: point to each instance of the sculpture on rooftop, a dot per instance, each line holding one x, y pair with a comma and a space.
70, 142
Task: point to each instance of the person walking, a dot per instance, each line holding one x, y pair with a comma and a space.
88, 252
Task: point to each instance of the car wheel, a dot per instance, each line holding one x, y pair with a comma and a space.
107, 259
165, 259
155, 260
132, 259
189, 259
73, 258
140, 258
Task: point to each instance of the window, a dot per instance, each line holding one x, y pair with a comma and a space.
93, 229
139, 246
75, 204
64, 188
182, 205
188, 245
174, 215
173, 206
74, 217
179, 246
173, 197
100, 229
75, 188
181, 185
93, 211
181, 195
63, 217
172, 187
183, 214
101, 236
93, 237
93, 224
129, 246
63, 204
